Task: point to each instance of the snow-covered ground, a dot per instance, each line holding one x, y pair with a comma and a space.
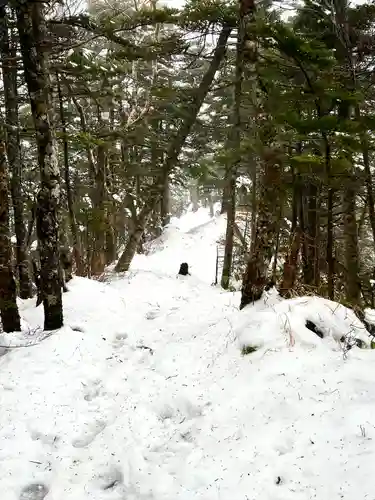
144, 394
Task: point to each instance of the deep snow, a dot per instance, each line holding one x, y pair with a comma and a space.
144, 394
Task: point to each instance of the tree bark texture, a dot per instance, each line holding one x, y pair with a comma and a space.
77, 252
8, 295
351, 254
310, 209
99, 199
256, 274
31, 29
235, 145
290, 265
8, 48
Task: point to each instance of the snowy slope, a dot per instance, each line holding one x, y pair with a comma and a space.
144, 394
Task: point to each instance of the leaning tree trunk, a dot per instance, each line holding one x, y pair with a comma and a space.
8, 49
136, 234
351, 254
174, 150
256, 274
10, 317
31, 28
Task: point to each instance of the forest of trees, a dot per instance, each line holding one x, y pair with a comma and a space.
112, 111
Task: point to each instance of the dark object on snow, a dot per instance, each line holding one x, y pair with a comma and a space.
269, 285
370, 327
184, 269
147, 348
312, 327
349, 343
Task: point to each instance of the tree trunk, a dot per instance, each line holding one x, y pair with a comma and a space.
368, 176
231, 220
276, 254
235, 144
31, 28
330, 247
194, 196
9, 66
256, 274
174, 150
290, 265
352, 282
110, 237
165, 203
10, 317
98, 257
311, 232
254, 207
77, 253
210, 204
225, 197
127, 256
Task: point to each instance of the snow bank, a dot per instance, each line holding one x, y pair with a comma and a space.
284, 322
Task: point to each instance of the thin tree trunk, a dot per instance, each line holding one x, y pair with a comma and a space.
174, 150
231, 220
10, 317
235, 143
276, 256
194, 195
165, 204
72, 218
254, 207
368, 176
8, 49
352, 283
98, 257
290, 265
30, 226
311, 231
31, 28
225, 197
330, 247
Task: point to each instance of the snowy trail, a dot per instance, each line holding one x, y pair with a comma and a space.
144, 395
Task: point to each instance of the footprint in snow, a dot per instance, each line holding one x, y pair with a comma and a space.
44, 437
119, 340
34, 492
110, 479
92, 389
88, 436
152, 314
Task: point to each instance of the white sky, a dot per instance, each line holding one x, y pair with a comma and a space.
173, 3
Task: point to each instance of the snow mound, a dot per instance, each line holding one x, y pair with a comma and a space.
309, 321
